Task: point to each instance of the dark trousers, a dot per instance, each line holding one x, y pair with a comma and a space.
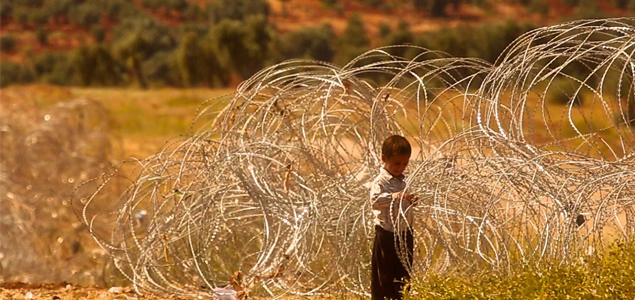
388, 272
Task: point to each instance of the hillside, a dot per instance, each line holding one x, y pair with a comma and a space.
288, 16
36, 33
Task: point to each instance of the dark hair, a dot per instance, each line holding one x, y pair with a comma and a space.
396, 145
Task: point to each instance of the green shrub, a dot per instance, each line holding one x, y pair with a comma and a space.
178, 5
329, 3
353, 42
193, 12
384, 30
95, 65
564, 91
539, 6
31, 3
57, 8
243, 45
6, 8
7, 43
161, 69
607, 276
86, 14
309, 42
142, 37
401, 36
12, 73
120, 9
98, 32
189, 56
54, 68
42, 36
152, 4
589, 9
38, 17
374, 3
467, 41
436, 8
621, 3
237, 9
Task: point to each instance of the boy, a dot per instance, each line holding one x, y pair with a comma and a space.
386, 194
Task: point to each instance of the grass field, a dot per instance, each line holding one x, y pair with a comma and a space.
143, 120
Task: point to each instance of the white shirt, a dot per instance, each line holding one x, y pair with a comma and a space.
383, 197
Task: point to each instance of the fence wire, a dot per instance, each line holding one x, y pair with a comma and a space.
523, 161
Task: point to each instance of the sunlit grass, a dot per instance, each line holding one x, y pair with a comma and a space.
141, 120
606, 276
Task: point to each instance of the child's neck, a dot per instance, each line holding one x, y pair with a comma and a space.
393, 175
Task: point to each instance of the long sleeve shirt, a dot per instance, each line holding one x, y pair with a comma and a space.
384, 197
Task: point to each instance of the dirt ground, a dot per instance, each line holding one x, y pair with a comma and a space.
63, 291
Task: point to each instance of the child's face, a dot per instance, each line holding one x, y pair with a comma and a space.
396, 164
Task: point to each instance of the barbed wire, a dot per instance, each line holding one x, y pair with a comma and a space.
520, 162
45, 154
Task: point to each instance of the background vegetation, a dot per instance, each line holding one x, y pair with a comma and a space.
181, 43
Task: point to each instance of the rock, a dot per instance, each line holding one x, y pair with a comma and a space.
115, 290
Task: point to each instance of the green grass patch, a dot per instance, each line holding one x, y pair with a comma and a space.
608, 275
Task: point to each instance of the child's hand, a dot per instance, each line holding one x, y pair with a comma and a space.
414, 200
410, 197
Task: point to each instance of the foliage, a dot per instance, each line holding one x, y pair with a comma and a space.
607, 276
95, 65
384, 31
330, 3
161, 69
374, 3
308, 42
588, 9
12, 73
196, 60
86, 14
6, 8
402, 36
193, 12
437, 8
539, 6
178, 5
136, 40
42, 35
38, 18
466, 41
54, 68
243, 45
353, 41
621, 3
58, 8
98, 32
83, 12
562, 91
7, 43
237, 9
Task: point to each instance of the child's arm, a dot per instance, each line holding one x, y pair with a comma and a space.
379, 198
382, 199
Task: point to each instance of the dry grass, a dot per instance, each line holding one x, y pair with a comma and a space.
142, 120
